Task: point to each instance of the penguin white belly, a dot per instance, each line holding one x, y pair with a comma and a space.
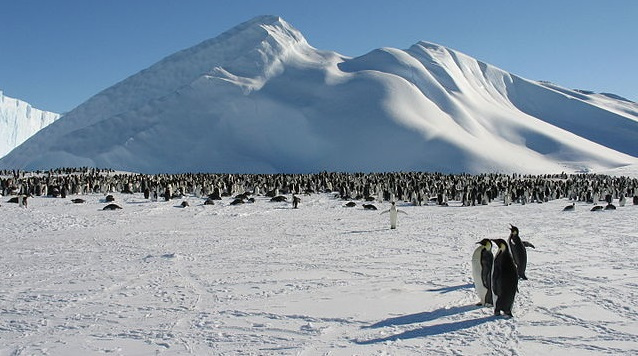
393, 219
481, 291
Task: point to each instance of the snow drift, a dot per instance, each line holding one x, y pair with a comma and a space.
259, 98
19, 121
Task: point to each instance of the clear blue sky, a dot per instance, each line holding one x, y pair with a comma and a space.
57, 54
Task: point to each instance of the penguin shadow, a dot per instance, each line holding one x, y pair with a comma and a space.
364, 231
422, 317
430, 330
137, 202
444, 290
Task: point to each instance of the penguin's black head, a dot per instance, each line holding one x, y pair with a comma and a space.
485, 243
513, 229
501, 244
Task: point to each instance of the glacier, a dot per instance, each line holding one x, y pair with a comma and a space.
19, 121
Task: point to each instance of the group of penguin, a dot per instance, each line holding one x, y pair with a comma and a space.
496, 276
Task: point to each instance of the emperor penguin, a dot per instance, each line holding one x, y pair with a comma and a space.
504, 279
393, 215
519, 253
482, 261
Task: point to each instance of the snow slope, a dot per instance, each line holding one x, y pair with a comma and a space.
265, 279
259, 98
19, 121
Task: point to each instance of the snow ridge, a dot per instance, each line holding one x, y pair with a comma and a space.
259, 99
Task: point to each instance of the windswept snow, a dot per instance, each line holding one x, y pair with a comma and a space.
19, 121
260, 99
263, 278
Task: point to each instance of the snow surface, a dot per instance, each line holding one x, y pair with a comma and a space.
260, 99
19, 121
262, 278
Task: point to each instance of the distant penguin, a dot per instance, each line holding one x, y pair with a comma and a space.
504, 279
184, 204
209, 201
110, 198
597, 208
237, 201
112, 207
622, 200
519, 253
635, 200
393, 215
278, 199
570, 207
369, 207
216, 195
482, 261
610, 206
350, 204
78, 201
295, 201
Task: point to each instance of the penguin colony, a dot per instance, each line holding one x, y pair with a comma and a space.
416, 188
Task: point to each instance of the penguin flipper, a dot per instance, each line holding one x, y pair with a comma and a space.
528, 244
401, 211
383, 212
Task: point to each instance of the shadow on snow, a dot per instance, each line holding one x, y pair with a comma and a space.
431, 330
422, 317
444, 290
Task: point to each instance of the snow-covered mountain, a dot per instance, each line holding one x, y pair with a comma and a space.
19, 121
259, 98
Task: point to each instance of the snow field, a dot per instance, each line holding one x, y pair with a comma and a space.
263, 278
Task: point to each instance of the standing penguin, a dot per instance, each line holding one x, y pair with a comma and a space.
393, 215
504, 279
519, 253
482, 261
